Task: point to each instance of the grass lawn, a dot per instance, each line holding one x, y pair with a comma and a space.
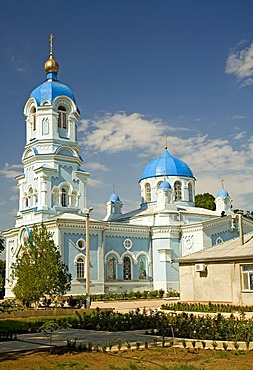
152, 358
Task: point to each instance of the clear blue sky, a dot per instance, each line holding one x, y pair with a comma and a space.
138, 69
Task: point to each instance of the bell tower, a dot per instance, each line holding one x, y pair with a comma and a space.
53, 181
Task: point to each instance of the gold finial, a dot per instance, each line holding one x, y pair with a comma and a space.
222, 183
51, 65
165, 141
113, 188
51, 44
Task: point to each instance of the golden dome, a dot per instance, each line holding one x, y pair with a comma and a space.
51, 65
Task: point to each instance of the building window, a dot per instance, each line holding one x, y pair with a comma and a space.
55, 197
80, 268
127, 268
33, 117
111, 268
158, 185
190, 192
219, 240
81, 244
128, 243
25, 200
247, 277
148, 192
36, 196
64, 197
142, 263
178, 190
30, 197
74, 198
62, 117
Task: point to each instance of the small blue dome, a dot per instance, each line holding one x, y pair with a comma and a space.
166, 165
50, 89
223, 193
114, 197
165, 185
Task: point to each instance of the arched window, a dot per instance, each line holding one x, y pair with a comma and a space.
30, 197
158, 185
148, 192
36, 196
80, 268
127, 268
25, 197
33, 118
190, 192
74, 198
64, 197
178, 190
55, 197
62, 117
111, 268
142, 267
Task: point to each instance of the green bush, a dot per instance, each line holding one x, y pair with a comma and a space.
10, 306
210, 307
181, 325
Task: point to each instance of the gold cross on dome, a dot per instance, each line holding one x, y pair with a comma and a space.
51, 43
222, 183
165, 141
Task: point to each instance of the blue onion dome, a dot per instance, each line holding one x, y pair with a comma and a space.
114, 197
165, 185
51, 88
223, 193
166, 165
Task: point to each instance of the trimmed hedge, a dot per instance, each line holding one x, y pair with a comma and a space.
210, 307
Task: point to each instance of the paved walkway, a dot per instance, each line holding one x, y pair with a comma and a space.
38, 341
126, 306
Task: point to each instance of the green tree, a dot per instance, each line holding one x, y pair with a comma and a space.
205, 200
40, 270
2, 277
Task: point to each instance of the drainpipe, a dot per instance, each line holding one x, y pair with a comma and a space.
241, 230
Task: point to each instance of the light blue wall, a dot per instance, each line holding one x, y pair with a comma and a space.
140, 244
70, 251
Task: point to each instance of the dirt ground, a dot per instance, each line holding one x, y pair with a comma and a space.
155, 358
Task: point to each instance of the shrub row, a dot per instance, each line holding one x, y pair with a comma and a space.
210, 307
10, 306
153, 294
171, 325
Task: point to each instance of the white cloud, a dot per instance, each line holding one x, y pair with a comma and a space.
96, 166
121, 132
239, 135
94, 183
13, 198
210, 159
17, 63
236, 117
10, 171
240, 64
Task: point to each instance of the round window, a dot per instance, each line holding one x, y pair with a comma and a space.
128, 243
81, 244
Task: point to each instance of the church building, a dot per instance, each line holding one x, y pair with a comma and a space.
128, 251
